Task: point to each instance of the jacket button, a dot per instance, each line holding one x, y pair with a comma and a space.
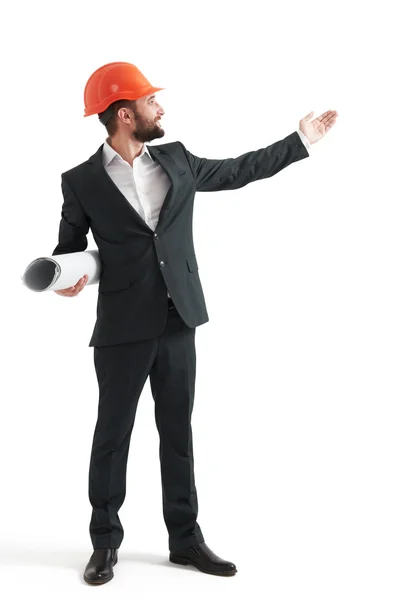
156, 236
162, 263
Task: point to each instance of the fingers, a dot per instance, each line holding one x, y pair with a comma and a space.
327, 116
74, 289
324, 115
331, 120
78, 287
307, 117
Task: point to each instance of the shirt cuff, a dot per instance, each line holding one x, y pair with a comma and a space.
304, 139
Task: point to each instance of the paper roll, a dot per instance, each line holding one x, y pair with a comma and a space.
62, 271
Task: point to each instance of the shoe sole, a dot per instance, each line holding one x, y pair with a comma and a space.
100, 581
187, 561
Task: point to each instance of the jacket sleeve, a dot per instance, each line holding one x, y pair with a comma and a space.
74, 224
212, 175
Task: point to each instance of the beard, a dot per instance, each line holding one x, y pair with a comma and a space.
146, 130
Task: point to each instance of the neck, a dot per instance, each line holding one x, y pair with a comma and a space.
127, 148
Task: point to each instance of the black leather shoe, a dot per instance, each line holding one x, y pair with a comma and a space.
204, 559
100, 566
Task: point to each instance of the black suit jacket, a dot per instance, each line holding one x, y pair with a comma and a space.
138, 264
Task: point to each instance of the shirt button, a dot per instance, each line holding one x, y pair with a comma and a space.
162, 263
156, 236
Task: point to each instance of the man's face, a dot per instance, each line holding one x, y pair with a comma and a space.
147, 119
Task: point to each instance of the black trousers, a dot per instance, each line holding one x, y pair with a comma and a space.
122, 371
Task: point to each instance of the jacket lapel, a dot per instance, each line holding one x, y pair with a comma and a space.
174, 174
111, 192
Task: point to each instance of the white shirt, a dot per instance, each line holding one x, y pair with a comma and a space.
145, 185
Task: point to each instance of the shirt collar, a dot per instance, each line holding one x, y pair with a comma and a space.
109, 153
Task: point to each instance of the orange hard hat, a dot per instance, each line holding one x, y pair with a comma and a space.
115, 81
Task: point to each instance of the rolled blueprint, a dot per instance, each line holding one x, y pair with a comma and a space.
62, 270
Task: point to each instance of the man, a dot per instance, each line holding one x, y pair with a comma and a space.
138, 202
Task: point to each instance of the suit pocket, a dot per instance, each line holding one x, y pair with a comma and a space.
191, 262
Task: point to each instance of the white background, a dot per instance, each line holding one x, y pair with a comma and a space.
296, 417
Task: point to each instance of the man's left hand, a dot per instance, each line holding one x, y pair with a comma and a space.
316, 129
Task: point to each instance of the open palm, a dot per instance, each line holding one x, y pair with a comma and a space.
316, 129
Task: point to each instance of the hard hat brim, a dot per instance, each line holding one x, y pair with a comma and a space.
121, 95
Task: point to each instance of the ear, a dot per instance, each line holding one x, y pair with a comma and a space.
125, 114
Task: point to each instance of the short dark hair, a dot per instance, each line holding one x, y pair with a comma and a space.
109, 116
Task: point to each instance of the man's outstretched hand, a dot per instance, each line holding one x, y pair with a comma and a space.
316, 129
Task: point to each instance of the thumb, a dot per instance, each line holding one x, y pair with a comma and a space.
308, 117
